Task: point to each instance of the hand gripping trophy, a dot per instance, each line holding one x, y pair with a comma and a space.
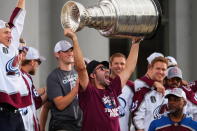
113, 18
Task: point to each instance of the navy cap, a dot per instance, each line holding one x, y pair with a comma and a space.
93, 64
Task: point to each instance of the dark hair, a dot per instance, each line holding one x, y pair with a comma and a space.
25, 62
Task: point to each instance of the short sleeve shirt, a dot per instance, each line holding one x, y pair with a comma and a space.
60, 83
100, 107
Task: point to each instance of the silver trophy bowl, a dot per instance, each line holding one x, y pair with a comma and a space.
113, 18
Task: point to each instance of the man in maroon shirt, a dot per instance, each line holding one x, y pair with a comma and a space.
98, 95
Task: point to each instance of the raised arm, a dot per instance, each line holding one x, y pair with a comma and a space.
131, 60
78, 58
21, 4
16, 22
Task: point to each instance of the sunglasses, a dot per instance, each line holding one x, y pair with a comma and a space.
176, 79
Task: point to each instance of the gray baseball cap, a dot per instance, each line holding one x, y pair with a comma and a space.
33, 54
62, 45
174, 72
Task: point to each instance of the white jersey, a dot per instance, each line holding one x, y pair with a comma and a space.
139, 84
149, 109
125, 100
13, 89
191, 93
29, 113
191, 110
151, 105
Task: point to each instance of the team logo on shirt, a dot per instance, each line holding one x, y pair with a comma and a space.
110, 106
153, 99
159, 111
12, 66
122, 106
5, 50
134, 105
35, 92
71, 79
23, 111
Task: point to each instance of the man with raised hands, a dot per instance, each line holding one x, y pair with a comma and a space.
117, 65
13, 91
97, 93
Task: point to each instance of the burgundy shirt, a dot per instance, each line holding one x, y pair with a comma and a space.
100, 107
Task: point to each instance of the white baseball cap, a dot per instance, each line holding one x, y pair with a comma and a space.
62, 45
153, 56
176, 92
33, 54
171, 61
174, 72
2, 24
87, 60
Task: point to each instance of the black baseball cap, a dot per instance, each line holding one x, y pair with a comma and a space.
93, 64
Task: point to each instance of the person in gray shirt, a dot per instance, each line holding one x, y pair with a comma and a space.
62, 91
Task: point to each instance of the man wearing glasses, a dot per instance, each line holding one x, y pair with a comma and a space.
97, 93
174, 80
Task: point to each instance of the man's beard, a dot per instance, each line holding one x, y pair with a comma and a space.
174, 86
175, 112
32, 72
172, 111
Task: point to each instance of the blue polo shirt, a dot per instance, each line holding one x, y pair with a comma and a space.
165, 124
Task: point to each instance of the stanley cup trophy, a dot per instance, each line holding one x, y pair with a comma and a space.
113, 18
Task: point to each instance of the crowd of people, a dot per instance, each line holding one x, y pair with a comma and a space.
84, 95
